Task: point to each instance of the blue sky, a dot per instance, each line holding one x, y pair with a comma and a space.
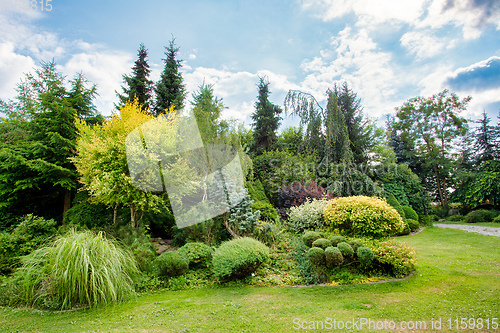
388, 51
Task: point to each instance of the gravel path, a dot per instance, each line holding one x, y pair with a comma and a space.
490, 231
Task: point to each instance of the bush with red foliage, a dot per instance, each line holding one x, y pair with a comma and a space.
297, 193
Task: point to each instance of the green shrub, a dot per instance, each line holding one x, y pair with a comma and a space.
480, 215
425, 220
391, 200
406, 230
170, 264
238, 258
355, 244
256, 191
365, 256
413, 224
267, 211
268, 232
322, 243
456, 217
310, 236
86, 214
410, 213
398, 258
497, 219
346, 249
363, 216
79, 268
198, 254
309, 215
29, 234
316, 256
333, 256
337, 239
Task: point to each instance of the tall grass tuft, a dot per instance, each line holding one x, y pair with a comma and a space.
79, 269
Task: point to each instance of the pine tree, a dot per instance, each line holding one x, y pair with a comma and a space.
266, 120
170, 90
485, 140
138, 85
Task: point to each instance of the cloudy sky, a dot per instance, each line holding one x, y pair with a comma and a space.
388, 51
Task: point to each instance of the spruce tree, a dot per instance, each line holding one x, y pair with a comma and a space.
337, 139
266, 120
170, 89
138, 85
485, 140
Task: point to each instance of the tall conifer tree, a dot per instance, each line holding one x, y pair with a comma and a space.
138, 85
170, 89
266, 120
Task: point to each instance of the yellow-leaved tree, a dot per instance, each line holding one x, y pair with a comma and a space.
102, 161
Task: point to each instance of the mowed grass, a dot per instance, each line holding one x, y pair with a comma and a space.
457, 276
478, 224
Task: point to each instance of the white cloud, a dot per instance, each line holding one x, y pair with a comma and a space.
470, 15
423, 45
356, 59
104, 68
12, 68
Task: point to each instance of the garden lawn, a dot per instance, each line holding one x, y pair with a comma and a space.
457, 276
478, 224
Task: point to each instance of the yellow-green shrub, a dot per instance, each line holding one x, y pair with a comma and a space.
399, 258
363, 216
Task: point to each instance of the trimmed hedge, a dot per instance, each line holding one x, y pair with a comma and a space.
316, 256
363, 216
238, 258
170, 264
322, 243
310, 236
333, 256
410, 213
198, 254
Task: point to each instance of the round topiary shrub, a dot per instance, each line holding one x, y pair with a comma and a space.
322, 243
198, 254
363, 216
316, 256
355, 244
413, 224
333, 256
238, 258
337, 239
480, 215
346, 249
170, 264
310, 236
365, 256
410, 213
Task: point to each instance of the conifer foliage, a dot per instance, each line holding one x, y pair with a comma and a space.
170, 89
266, 120
138, 85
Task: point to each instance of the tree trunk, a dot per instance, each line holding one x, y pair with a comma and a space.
67, 202
438, 180
115, 210
132, 216
231, 231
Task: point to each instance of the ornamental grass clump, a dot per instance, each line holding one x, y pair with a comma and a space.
363, 216
78, 269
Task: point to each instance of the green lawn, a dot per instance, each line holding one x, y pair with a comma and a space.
479, 224
458, 276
